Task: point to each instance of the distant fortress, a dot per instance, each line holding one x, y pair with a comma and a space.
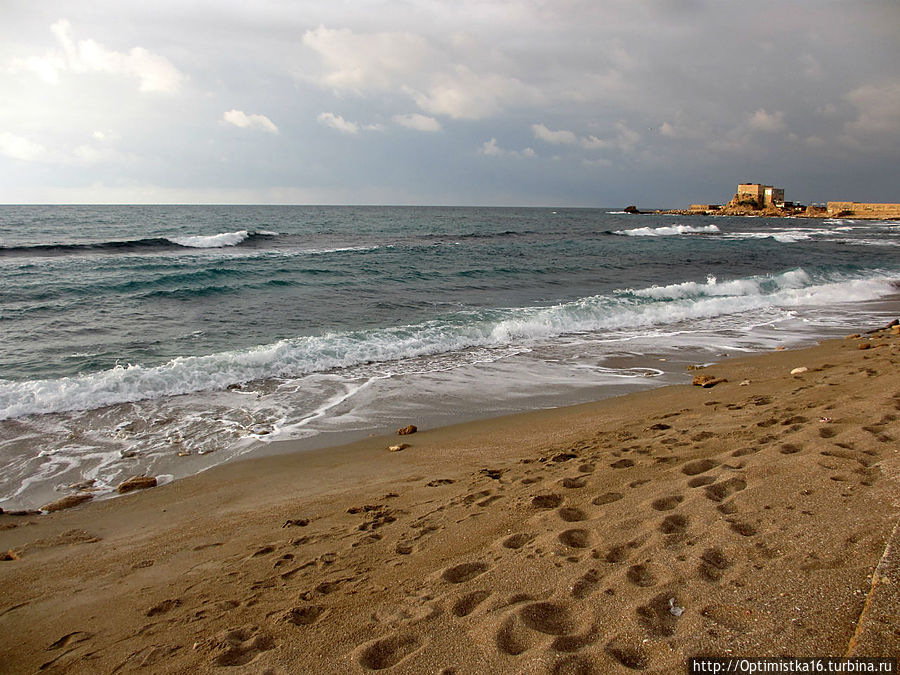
756, 199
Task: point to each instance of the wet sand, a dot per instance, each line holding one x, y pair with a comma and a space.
752, 518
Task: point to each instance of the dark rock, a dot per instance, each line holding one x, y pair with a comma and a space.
407, 430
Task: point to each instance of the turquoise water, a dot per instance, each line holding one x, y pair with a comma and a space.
136, 334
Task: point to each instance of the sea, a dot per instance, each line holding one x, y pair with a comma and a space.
163, 340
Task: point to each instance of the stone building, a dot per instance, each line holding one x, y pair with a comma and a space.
759, 195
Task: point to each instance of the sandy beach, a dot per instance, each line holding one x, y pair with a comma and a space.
751, 518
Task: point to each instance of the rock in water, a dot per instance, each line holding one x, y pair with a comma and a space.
407, 430
66, 502
136, 483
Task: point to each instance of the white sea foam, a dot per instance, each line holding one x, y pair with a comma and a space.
669, 231
214, 240
500, 330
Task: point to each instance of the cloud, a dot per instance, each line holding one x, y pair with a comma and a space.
625, 139
491, 149
878, 109
767, 122
21, 148
465, 94
561, 137
154, 73
417, 122
362, 62
244, 121
338, 122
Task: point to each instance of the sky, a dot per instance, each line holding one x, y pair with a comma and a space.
658, 103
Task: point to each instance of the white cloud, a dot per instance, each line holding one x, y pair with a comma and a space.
762, 120
244, 121
338, 122
462, 93
366, 61
417, 122
155, 73
625, 138
21, 148
560, 137
491, 149
594, 143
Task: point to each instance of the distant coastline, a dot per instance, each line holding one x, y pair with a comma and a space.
759, 200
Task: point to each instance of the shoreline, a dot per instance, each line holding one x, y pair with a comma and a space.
548, 539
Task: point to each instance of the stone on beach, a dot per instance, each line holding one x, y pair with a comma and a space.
707, 381
407, 430
66, 502
799, 371
398, 447
136, 483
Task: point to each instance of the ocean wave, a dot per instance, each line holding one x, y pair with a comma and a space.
500, 329
213, 240
151, 244
668, 231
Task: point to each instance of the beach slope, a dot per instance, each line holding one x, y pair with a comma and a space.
750, 518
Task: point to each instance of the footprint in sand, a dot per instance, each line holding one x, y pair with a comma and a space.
586, 584
607, 498
619, 553
551, 618
240, 646
666, 503
265, 550
725, 489
469, 603
572, 643
572, 514
519, 540
700, 481
512, 638
743, 529
675, 524
305, 616
550, 501
713, 564
163, 607
575, 538
629, 655
656, 617
789, 449
698, 466
745, 451
641, 575
389, 651
459, 574
622, 464
572, 483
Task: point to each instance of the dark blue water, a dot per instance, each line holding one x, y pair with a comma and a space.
149, 331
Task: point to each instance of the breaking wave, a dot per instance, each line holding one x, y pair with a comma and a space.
626, 309
668, 231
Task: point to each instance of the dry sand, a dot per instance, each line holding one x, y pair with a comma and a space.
557, 541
